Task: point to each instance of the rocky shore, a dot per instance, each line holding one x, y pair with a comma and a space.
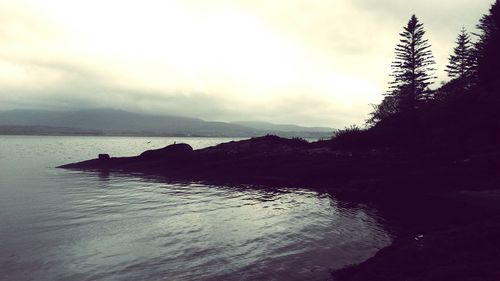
443, 206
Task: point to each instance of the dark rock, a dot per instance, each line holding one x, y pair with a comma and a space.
173, 150
103, 156
259, 145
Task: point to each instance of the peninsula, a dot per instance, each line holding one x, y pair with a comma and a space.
400, 182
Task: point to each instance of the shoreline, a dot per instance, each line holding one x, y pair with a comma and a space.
387, 178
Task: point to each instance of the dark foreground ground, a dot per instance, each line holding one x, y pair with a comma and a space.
443, 206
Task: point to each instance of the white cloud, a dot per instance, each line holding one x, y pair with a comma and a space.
316, 62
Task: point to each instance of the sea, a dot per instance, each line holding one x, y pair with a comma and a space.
58, 224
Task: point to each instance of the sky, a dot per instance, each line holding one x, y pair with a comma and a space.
307, 62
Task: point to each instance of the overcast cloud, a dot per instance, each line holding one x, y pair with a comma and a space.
310, 62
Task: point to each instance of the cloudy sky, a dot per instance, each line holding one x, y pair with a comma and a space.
309, 62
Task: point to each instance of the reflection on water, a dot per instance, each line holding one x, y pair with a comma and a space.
67, 225
103, 176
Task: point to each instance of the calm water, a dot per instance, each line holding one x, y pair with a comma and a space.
65, 225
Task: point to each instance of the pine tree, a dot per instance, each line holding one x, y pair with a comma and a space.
461, 61
412, 68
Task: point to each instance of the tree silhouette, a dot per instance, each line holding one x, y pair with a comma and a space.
461, 62
487, 48
413, 67
384, 110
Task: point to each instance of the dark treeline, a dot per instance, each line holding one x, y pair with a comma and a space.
463, 112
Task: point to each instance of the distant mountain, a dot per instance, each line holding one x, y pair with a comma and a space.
47, 131
119, 122
282, 127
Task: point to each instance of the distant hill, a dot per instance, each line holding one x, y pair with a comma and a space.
282, 127
119, 122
